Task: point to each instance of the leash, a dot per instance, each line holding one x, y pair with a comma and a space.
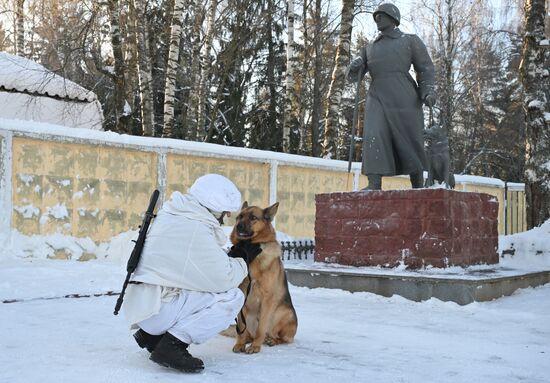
241, 315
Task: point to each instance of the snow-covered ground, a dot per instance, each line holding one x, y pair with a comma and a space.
356, 337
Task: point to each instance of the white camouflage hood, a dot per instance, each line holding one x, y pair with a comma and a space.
188, 206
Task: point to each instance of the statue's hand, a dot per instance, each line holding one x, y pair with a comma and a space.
429, 100
356, 64
353, 69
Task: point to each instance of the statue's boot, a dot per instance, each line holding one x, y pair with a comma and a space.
375, 182
417, 180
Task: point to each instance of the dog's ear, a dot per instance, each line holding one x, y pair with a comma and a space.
270, 212
245, 205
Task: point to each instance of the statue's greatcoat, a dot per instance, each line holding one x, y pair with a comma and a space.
393, 135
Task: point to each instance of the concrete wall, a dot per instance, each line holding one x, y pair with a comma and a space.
77, 189
97, 184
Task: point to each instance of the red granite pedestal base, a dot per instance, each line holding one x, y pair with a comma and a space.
417, 228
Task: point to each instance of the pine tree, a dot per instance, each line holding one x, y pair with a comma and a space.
534, 77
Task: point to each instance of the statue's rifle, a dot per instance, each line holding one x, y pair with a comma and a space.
355, 118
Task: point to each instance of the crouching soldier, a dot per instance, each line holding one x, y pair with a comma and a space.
185, 288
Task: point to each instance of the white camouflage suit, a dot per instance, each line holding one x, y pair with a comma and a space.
189, 286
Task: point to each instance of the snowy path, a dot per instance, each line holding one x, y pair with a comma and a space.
342, 336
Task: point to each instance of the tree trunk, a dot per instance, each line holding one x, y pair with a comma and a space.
535, 83
206, 65
172, 69
291, 122
316, 112
128, 32
303, 147
145, 76
121, 107
20, 28
338, 79
447, 108
193, 101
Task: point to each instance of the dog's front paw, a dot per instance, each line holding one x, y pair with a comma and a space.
239, 347
253, 349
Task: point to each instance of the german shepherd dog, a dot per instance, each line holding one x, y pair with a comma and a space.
269, 316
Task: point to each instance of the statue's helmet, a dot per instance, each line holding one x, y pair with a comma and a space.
390, 10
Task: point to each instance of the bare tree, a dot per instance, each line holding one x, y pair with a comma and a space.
206, 64
534, 77
448, 38
144, 64
4, 41
195, 74
338, 79
317, 66
121, 106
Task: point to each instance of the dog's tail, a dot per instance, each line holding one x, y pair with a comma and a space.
231, 331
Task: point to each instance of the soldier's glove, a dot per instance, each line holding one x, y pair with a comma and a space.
429, 100
245, 250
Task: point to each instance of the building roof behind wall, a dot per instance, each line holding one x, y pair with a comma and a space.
21, 75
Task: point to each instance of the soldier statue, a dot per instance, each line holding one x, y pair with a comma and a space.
393, 134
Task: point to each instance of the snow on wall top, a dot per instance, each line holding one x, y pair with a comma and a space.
23, 75
39, 129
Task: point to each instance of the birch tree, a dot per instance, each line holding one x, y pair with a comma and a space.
337, 82
172, 68
535, 80
20, 27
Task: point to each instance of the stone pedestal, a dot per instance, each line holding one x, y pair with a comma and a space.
417, 227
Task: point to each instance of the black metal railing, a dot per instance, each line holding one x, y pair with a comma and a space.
301, 249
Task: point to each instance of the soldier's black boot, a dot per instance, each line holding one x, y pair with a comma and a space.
375, 182
172, 352
417, 180
146, 340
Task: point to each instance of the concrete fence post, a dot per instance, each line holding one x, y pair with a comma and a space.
5, 181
